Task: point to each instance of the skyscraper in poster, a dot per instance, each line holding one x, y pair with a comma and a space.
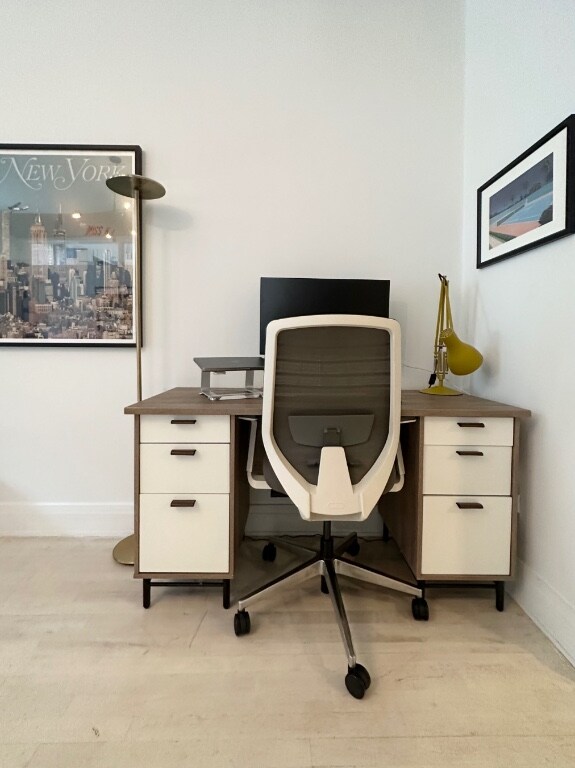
59, 238
41, 256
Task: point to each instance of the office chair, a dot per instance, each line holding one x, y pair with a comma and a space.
330, 430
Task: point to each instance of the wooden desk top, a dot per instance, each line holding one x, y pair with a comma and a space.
187, 400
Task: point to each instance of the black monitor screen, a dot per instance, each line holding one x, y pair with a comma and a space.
297, 296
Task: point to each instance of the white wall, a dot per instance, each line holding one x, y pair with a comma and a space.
520, 79
294, 137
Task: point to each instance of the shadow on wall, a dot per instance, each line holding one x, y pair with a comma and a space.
163, 256
487, 337
168, 217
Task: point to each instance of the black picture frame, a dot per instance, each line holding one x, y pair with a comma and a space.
531, 201
68, 246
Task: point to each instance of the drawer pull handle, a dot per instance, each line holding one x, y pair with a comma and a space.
183, 452
183, 421
183, 503
469, 505
469, 453
472, 424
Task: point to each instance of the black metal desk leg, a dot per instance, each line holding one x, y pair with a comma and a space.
146, 590
226, 593
500, 595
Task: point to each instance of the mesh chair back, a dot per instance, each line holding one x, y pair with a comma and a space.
340, 374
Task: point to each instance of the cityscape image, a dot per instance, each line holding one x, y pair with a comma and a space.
67, 248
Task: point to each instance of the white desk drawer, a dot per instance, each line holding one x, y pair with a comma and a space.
464, 430
183, 467
185, 429
466, 541
455, 469
184, 539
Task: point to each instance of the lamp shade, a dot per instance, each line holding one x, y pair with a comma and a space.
462, 358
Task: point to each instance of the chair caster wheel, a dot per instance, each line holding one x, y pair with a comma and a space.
357, 681
269, 552
353, 548
242, 624
420, 609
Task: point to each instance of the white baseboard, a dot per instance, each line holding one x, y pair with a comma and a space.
116, 520
58, 519
549, 610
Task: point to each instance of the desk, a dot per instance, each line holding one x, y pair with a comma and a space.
455, 519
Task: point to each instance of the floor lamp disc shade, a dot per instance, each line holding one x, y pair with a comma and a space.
140, 188
136, 186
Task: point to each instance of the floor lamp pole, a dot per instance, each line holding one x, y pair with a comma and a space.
138, 188
138, 283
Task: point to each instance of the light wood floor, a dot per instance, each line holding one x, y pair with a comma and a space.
89, 678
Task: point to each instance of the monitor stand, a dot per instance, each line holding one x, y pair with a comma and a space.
222, 365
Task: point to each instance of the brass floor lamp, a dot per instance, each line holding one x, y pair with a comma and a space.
139, 188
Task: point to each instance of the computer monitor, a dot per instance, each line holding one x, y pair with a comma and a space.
297, 296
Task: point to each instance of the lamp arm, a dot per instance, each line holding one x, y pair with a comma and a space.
449, 318
439, 326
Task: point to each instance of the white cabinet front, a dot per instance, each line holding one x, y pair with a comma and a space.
466, 535
185, 429
463, 430
465, 469
183, 467
177, 535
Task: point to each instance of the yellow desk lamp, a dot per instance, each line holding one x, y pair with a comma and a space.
450, 353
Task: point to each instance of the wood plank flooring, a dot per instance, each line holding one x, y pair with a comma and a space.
89, 678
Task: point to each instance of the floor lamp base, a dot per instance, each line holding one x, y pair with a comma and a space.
125, 550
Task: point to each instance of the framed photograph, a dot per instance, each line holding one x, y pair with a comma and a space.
67, 246
531, 201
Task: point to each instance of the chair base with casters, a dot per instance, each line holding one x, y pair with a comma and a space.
328, 563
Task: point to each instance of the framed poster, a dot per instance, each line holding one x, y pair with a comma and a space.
67, 246
531, 201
